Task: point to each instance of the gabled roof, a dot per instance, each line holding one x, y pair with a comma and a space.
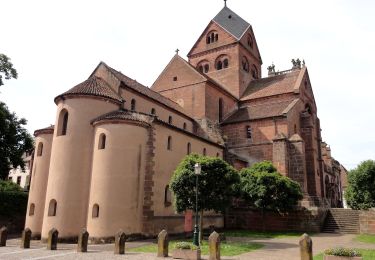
274, 85
266, 110
138, 87
93, 86
231, 22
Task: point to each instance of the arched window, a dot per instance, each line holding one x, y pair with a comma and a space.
248, 132
167, 196
132, 105
170, 119
184, 126
221, 109
295, 128
102, 141
254, 72
219, 65
63, 122
204, 151
217, 154
40, 149
153, 111
206, 68
169, 144
250, 41
203, 66
245, 64
95, 211
31, 209
212, 37
52, 208
225, 63
222, 62
188, 149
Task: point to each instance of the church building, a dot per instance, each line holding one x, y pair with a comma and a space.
106, 163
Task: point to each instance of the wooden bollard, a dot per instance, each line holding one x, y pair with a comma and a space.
3, 236
83, 240
120, 243
214, 246
163, 243
53, 236
305, 244
25, 239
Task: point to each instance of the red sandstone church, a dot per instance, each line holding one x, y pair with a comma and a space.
107, 162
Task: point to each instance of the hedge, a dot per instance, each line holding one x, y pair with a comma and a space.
13, 203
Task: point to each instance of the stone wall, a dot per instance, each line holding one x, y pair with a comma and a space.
301, 219
367, 222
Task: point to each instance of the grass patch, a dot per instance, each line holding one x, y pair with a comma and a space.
255, 234
227, 248
367, 254
366, 238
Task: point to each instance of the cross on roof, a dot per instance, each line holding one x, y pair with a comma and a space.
177, 50
225, 2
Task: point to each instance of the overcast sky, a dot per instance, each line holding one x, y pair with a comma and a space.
55, 45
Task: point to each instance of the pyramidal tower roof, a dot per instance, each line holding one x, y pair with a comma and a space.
231, 22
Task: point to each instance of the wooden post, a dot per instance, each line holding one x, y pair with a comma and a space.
53, 236
214, 246
305, 244
83, 240
163, 244
26, 237
3, 236
120, 243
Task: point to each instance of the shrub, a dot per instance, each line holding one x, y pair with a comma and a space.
13, 203
340, 251
185, 245
9, 186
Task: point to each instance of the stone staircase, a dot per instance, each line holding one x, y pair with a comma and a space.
344, 221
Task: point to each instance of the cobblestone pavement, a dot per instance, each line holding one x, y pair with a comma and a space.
274, 249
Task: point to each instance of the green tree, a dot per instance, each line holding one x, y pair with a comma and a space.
6, 68
360, 193
14, 141
264, 188
8, 186
216, 184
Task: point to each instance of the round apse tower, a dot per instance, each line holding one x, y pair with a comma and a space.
39, 179
118, 172
70, 166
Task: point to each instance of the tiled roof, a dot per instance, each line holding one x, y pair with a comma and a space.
231, 22
93, 86
46, 130
266, 110
123, 114
270, 86
133, 84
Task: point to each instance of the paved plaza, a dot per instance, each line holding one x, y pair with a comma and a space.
274, 249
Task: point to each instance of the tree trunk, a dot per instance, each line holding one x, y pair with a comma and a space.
201, 227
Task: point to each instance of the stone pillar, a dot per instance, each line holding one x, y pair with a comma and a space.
53, 236
214, 246
120, 243
3, 236
280, 153
83, 239
297, 166
305, 245
163, 244
26, 237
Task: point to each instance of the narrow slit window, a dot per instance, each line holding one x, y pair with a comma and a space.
169, 144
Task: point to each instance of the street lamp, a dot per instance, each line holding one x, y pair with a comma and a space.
197, 171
